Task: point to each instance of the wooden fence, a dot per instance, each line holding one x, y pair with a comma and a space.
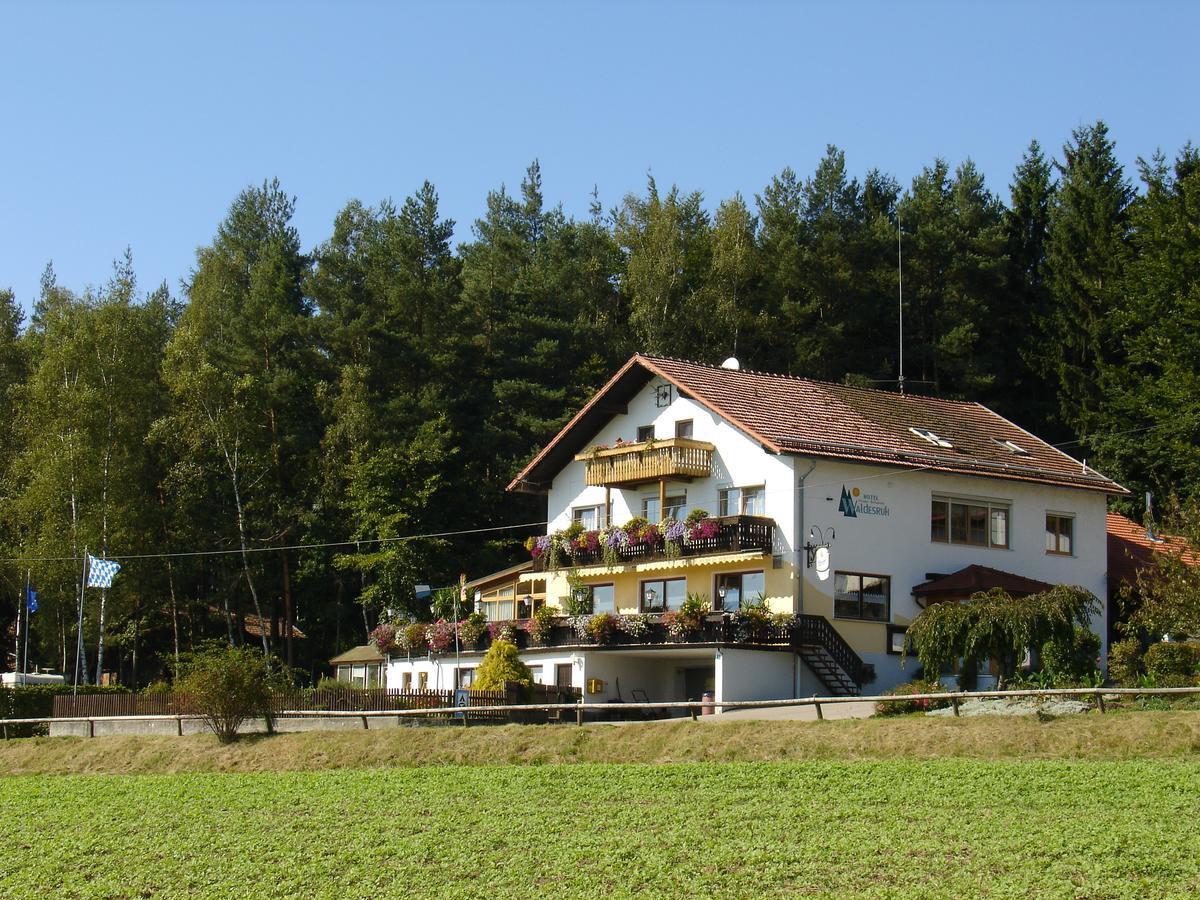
167, 703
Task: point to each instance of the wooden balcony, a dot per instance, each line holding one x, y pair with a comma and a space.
673, 459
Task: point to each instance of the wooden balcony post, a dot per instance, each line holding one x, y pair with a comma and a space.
662, 499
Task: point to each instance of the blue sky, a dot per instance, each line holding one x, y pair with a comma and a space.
136, 124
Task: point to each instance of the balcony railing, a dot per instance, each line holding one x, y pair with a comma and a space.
735, 534
630, 464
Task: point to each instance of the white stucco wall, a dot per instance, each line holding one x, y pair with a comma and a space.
763, 675
739, 461
898, 544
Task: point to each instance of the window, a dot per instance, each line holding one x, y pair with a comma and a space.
536, 672
464, 677
343, 674
676, 508
741, 589
375, 675
895, 639
604, 598
862, 596
744, 501
930, 438
1010, 446
528, 605
662, 595
592, 518
422, 681
645, 433
683, 428
497, 605
406, 681
1060, 534
977, 523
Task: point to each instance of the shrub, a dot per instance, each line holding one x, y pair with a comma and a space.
1125, 661
601, 627
899, 708
502, 664
1073, 658
157, 687
383, 636
225, 687
411, 639
471, 629
1166, 660
36, 701
541, 626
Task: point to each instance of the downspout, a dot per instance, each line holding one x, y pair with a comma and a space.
797, 546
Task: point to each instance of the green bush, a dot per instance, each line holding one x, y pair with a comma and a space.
918, 686
226, 686
1125, 661
1071, 659
1171, 660
502, 664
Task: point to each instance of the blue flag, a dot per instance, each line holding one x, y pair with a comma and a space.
31, 599
101, 572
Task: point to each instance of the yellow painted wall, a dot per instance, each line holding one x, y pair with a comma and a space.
701, 579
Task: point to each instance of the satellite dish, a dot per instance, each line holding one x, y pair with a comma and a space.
821, 563
731, 363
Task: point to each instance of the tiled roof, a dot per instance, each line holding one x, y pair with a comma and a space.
980, 578
813, 418
1130, 549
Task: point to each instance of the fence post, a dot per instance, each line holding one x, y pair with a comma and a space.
1100, 701
954, 700
579, 713
820, 715
692, 710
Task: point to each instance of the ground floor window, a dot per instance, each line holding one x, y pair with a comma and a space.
858, 596
423, 681
536, 672
738, 589
465, 677
406, 681
363, 675
663, 594
895, 639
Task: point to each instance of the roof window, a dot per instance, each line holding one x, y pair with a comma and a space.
929, 437
1010, 446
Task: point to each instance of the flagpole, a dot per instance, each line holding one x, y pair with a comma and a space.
17, 652
79, 626
25, 664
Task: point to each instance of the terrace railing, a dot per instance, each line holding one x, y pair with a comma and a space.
735, 534
648, 461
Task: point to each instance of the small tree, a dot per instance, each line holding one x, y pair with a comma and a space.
1167, 594
226, 686
994, 625
502, 664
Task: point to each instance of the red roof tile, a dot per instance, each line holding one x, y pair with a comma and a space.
973, 579
813, 418
1130, 548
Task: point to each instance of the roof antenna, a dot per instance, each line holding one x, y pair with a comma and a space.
1149, 517
900, 276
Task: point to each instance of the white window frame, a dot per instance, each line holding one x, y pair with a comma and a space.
931, 437
725, 494
682, 508
596, 508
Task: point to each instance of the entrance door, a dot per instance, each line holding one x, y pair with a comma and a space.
699, 680
562, 675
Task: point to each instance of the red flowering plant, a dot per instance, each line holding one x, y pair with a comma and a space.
502, 631
440, 636
586, 542
384, 637
701, 526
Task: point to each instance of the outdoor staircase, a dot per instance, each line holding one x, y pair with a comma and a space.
828, 655
832, 675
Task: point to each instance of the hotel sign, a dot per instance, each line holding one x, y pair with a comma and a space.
855, 503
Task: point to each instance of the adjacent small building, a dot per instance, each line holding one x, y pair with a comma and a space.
843, 511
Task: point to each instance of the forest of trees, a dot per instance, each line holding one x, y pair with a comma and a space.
387, 383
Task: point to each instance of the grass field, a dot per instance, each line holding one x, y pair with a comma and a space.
952, 828
1082, 806
1124, 735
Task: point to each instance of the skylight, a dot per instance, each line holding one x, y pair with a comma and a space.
1009, 445
929, 437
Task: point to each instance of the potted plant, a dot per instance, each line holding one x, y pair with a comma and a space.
601, 627
541, 626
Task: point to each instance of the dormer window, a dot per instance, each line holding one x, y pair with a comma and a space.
1010, 446
929, 437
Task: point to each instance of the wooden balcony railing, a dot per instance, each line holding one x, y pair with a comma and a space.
629, 464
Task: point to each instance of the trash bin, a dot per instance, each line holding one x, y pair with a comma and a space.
707, 707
